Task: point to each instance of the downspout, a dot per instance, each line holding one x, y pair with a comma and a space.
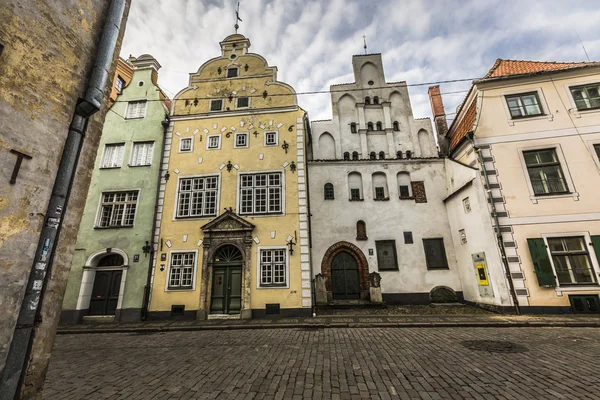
165, 125
499, 238
312, 278
20, 349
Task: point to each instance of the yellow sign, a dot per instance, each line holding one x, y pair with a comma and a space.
482, 274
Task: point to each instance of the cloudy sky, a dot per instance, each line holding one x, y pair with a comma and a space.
312, 41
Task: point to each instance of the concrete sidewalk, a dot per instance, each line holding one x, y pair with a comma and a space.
343, 321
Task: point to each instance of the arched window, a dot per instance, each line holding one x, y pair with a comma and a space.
375, 100
369, 126
396, 126
404, 185
353, 127
111, 260
379, 126
361, 230
326, 149
328, 191
382, 155
346, 155
380, 187
408, 154
355, 186
399, 155
355, 155
373, 156
367, 100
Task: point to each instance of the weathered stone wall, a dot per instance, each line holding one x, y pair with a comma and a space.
49, 49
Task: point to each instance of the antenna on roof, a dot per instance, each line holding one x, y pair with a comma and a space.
237, 17
365, 42
581, 42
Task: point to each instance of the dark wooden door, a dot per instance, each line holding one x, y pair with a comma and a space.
105, 293
226, 295
344, 277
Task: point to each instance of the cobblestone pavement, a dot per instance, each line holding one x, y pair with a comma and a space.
343, 363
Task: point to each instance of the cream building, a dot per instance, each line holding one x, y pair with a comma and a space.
533, 131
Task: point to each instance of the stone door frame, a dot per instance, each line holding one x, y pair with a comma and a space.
361, 261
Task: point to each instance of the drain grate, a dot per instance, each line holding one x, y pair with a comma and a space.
494, 346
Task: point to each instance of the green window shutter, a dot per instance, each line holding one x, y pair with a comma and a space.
596, 246
541, 262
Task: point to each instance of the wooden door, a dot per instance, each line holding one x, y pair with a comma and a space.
344, 277
105, 292
226, 295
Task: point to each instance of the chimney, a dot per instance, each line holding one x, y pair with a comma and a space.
439, 118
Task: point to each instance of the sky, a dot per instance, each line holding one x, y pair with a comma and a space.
312, 41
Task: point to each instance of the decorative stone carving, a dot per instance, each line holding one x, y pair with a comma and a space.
320, 290
375, 287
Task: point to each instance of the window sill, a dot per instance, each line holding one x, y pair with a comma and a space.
272, 214
328, 199
111, 167
128, 118
382, 199
406, 197
195, 217
574, 288
179, 289
512, 120
136, 166
362, 238
535, 197
438, 269
273, 286
113, 227
356, 199
389, 270
577, 113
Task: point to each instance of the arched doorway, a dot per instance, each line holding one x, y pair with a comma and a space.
226, 291
107, 285
345, 283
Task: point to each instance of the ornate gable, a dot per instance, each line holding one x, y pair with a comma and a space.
228, 222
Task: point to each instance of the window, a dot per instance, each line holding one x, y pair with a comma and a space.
355, 155
435, 253
367, 100
185, 145
216, 105
369, 126
355, 194
379, 193
270, 138
273, 268
586, 97
380, 188
571, 260
232, 72
408, 154
113, 155
372, 156
213, 142
346, 155
375, 100
117, 209
119, 83
243, 102
355, 186
361, 230
197, 197
382, 155
545, 172
404, 192
141, 154
353, 127
396, 126
408, 238
261, 193
524, 105
328, 191
181, 273
241, 140
387, 258
136, 109
379, 126
399, 155
597, 148
403, 180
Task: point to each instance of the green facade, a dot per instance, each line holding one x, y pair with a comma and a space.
95, 242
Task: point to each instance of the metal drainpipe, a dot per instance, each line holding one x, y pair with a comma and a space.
497, 229
20, 348
312, 278
165, 125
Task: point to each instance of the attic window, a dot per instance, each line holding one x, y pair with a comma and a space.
119, 84
232, 72
371, 83
232, 56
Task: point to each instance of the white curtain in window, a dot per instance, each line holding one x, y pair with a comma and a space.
142, 153
113, 155
136, 109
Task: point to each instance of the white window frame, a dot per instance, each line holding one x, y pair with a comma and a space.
258, 269
593, 259
181, 139
119, 84
99, 209
122, 145
543, 105
145, 101
186, 289
208, 142
176, 205
573, 110
565, 169
235, 145
210, 105
267, 214
276, 138
242, 108
591, 144
139, 142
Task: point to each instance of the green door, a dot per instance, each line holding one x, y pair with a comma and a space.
226, 297
344, 277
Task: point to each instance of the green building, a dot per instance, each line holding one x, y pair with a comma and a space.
113, 253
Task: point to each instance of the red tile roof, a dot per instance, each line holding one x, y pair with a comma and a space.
503, 68
465, 125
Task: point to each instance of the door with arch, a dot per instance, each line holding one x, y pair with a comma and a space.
345, 281
107, 285
226, 293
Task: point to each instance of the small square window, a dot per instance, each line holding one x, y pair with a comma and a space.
243, 102
586, 97
232, 72
386, 255
214, 142
241, 140
136, 109
404, 192
216, 105
354, 194
185, 145
524, 105
271, 139
408, 238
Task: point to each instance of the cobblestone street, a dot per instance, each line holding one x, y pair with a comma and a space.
427, 363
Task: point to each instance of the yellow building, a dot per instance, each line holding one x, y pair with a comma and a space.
232, 225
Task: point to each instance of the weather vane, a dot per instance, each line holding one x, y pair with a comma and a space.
237, 17
364, 40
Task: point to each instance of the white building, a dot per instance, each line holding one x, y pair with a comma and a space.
377, 187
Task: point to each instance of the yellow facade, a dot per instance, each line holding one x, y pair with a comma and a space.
272, 109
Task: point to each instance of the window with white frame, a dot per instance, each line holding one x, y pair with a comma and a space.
273, 267
117, 209
181, 273
571, 260
185, 145
213, 142
586, 97
241, 140
242, 102
141, 154
270, 138
197, 197
119, 83
261, 193
545, 172
113, 155
216, 105
524, 105
136, 109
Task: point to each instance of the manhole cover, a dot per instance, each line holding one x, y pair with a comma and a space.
494, 346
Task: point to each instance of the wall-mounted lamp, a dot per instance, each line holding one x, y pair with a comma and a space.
229, 166
293, 166
291, 243
147, 248
167, 175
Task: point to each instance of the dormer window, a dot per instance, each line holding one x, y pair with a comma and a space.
232, 73
396, 126
367, 100
353, 127
375, 100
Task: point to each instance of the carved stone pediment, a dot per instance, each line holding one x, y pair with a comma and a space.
228, 222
